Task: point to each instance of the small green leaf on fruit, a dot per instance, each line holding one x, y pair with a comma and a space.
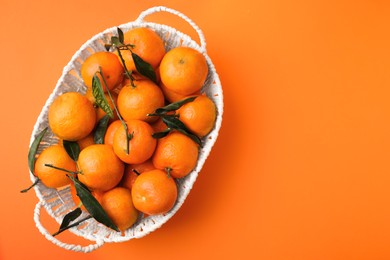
174, 106
143, 67
101, 129
161, 134
121, 37
92, 205
100, 98
72, 148
34, 148
174, 123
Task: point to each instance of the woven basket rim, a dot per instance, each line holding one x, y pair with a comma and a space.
192, 176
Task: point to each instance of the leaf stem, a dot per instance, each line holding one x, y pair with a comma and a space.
61, 169
128, 73
128, 137
168, 170
35, 183
72, 225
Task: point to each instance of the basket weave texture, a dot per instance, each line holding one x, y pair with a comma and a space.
59, 202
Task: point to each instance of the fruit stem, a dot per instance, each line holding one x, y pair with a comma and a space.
128, 138
35, 183
61, 169
128, 73
168, 170
136, 172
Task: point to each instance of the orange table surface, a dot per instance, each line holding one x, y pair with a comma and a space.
301, 166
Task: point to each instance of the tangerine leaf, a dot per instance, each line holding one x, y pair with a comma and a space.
121, 37
72, 148
71, 216
161, 134
143, 67
174, 123
101, 129
72, 225
174, 106
92, 205
34, 148
115, 41
100, 98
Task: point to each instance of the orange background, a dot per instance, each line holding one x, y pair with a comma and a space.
301, 167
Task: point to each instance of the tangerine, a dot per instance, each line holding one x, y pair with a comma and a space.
100, 168
176, 153
71, 116
118, 205
133, 170
183, 70
110, 132
154, 192
57, 156
141, 145
110, 66
139, 101
199, 115
146, 43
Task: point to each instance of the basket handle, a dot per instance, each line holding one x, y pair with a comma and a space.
157, 9
48, 236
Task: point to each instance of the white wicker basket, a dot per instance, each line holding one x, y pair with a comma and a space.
59, 202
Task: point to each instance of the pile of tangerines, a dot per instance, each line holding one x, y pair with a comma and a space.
139, 126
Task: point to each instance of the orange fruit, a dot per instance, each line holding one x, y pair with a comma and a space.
146, 43
111, 129
118, 205
173, 96
199, 115
142, 167
110, 65
99, 112
139, 101
86, 141
183, 70
154, 192
57, 156
141, 145
71, 116
130, 175
159, 126
100, 168
176, 153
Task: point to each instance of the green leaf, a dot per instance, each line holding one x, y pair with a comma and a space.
143, 67
174, 123
71, 216
92, 205
101, 129
161, 134
72, 148
34, 148
100, 98
174, 106
121, 37
72, 225
115, 41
